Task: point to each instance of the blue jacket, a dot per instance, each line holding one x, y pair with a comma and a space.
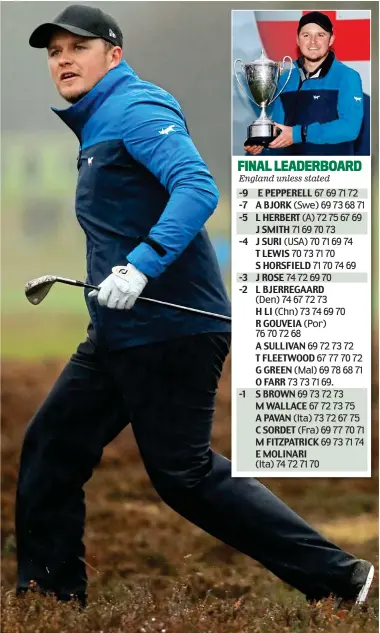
140, 176
329, 107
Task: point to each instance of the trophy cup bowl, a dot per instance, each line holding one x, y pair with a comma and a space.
262, 77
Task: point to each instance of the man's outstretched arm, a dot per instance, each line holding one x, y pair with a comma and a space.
156, 136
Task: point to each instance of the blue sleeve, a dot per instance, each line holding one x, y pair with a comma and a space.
156, 136
350, 114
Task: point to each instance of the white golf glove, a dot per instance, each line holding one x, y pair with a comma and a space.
121, 289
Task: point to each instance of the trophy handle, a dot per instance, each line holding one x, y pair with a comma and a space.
240, 85
287, 79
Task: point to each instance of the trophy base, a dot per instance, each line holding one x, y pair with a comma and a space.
259, 140
262, 133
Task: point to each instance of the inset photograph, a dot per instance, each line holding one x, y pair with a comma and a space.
301, 83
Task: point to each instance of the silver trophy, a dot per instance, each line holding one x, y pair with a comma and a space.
262, 76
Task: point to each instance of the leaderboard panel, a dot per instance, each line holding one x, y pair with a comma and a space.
301, 296
301, 246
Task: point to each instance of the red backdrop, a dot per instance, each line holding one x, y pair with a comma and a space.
352, 38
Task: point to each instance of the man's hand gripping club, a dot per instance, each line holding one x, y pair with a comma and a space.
121, 288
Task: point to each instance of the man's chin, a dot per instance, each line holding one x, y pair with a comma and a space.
73, 97
315, 58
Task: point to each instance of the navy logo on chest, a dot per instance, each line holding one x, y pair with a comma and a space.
115, 193
304, 107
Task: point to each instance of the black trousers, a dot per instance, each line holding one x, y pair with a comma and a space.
167, 392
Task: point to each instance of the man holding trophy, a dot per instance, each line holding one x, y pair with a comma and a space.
320, 106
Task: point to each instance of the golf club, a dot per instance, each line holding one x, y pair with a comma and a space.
37, 289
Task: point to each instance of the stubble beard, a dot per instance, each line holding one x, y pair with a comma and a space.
316, 59
74, 98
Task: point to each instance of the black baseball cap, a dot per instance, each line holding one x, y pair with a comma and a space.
315, 17
80, 20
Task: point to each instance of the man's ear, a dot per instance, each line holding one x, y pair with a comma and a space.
117, 54
332, 40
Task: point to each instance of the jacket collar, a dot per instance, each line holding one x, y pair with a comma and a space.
77, 115
321, 71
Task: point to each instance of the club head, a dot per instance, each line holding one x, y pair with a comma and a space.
37, 289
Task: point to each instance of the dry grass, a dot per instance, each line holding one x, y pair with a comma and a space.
121, 610
152, 571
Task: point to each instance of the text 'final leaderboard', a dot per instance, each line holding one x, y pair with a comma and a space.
301, 317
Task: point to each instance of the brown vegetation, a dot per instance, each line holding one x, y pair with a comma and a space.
149, 569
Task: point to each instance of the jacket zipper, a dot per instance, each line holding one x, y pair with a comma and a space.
79, 157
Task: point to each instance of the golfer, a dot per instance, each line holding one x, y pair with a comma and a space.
142, 199
320, 111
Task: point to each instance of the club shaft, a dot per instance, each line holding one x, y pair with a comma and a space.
174, 305
223, 317
75, 282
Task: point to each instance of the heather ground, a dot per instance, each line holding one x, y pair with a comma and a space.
152, 571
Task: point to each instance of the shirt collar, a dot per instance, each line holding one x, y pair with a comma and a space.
319, 72
77, 115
